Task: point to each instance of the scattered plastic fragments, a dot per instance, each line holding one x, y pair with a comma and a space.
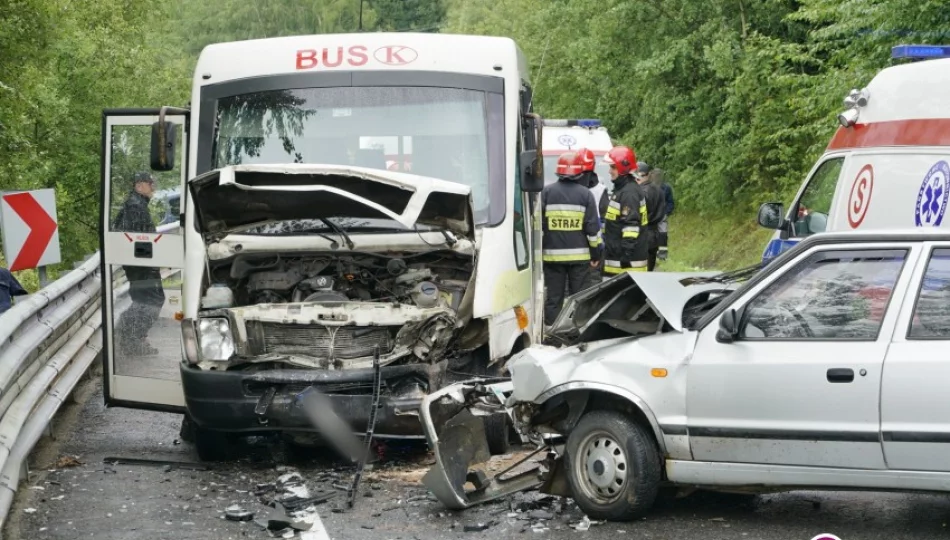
477, 527
238, 513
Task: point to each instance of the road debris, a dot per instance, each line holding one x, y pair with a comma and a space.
189, 465
238, 513
65, 462
477, 527
540, 515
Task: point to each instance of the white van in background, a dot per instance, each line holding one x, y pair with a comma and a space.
887, 166
561, 136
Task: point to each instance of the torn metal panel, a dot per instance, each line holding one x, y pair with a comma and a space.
455, 430
634, 303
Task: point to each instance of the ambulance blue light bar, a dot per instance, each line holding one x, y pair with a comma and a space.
584, 122
920, 52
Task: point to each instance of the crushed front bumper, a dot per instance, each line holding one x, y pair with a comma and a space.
456, 435
270, 400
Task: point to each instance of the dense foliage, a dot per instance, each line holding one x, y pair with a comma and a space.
733, 98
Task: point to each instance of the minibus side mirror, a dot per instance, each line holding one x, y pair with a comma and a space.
771, 215
532, 178
162, 156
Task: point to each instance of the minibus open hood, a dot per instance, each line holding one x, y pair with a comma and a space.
236, 198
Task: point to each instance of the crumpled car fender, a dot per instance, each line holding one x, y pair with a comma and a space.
623, 393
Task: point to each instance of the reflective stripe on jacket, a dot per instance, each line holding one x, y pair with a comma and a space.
570, 223
626, 216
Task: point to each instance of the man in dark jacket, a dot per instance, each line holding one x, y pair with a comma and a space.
596, 271
656, 211
145, 283
570, 244
656, 177
9, 287
626, 217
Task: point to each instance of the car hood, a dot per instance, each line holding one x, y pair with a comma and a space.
631, 303
235, 198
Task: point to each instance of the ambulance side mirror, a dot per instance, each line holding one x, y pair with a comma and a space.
815, 223
771, 215
532, 176
163, 146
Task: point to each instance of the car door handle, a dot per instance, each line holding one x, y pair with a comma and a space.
840, 375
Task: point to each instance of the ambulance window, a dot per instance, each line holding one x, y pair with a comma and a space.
811, 214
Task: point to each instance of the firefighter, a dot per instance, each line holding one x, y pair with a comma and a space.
570, 244
145, 283
626, 216
657, 178
656, 212
599, 190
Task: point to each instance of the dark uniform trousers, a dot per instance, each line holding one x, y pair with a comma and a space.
557, 278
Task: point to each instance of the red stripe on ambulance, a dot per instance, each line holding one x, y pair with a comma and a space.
922, 132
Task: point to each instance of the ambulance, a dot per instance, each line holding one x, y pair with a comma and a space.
564, 135
355, 219
888, 164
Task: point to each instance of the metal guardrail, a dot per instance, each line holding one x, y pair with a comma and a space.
47, 343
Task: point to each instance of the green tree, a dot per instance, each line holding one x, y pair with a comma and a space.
214, 21
404, 15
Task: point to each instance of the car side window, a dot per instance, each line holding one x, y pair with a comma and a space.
931, 318
832, 295
811, 215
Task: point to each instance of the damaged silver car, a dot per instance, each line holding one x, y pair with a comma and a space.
580, 404
821, 371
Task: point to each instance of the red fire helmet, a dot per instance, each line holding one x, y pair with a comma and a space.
576, 162
621, 157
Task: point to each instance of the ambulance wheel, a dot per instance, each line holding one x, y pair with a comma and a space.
213, 445
497, 433
613, 467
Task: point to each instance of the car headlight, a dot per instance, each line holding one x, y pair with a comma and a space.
214, 336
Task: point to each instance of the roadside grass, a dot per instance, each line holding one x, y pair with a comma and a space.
700, 243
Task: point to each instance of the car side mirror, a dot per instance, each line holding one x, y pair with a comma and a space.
163, 146
771, 215
728, 327
532, 177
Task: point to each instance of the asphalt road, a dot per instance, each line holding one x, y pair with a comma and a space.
95, 500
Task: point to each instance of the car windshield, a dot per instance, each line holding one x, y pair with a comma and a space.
550, 166
429, 131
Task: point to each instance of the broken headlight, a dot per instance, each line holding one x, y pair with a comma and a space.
215, 340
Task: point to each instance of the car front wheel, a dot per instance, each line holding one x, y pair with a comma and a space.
613, 467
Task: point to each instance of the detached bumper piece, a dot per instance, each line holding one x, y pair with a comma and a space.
256, 401
455, 431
